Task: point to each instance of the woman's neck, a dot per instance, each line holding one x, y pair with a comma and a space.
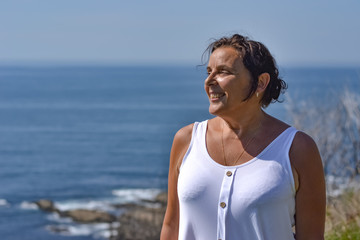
246, 124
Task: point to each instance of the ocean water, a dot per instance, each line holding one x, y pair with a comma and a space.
92, 136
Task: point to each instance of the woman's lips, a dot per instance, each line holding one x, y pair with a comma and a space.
216, 96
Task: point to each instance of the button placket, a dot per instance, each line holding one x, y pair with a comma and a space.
224, 201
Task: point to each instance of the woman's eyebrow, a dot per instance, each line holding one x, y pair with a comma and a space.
220, 67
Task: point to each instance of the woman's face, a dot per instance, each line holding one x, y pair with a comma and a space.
228, 83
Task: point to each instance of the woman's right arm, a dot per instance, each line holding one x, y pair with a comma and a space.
170, 228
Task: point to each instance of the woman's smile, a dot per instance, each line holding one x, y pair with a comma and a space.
215, 97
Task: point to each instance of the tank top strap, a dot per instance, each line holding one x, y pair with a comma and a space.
194, 136
288, 138
200, 138
283, 145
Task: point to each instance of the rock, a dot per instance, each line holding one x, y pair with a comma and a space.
125, 205
46, 205
88, 216
141, 223
138, 222
162, 198
78, 215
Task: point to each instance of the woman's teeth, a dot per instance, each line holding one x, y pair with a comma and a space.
216, 95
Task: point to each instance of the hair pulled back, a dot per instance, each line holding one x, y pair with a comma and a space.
257, 59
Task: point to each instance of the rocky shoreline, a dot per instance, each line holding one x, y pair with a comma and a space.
139, 221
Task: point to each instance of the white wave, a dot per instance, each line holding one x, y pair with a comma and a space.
135, 195
55, 217
102, 205
28, 206
3, 202
106, 234
98, 230
71, 230
122, 196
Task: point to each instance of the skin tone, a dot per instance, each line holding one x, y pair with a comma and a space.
238, 122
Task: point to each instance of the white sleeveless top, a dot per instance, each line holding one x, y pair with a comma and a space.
251, 201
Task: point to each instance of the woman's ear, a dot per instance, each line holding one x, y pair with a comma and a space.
263, 82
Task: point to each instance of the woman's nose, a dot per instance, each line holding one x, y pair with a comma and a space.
211, 79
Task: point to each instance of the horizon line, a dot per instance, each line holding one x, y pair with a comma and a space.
95, 63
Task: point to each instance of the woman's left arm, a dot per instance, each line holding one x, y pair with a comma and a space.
311, 194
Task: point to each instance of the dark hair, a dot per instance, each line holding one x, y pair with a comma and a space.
257, 59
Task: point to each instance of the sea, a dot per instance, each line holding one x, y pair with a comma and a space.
90, 136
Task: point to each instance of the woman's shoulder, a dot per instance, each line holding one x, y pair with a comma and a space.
304, 155
183, 135
274, 127
303, 144
180, 145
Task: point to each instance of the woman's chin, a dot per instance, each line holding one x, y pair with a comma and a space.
214, 110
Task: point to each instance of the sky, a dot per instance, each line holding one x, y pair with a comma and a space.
298, 33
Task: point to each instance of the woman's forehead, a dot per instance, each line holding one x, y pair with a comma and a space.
224, 56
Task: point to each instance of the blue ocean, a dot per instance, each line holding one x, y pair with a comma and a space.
91, 136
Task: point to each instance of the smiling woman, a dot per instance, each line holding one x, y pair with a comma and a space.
243, 174
224, 91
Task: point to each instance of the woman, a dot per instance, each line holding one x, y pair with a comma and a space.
243, 174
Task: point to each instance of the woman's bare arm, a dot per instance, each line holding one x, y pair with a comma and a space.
170, 228
311, 195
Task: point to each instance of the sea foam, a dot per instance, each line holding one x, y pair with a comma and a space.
102, 205
3, 202
28, 205
135, 195
55, 217
98, 230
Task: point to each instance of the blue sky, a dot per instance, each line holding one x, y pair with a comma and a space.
298, 33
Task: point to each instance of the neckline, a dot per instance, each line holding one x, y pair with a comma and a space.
242, 164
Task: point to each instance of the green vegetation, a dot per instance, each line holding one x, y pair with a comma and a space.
343, 217
349, 231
